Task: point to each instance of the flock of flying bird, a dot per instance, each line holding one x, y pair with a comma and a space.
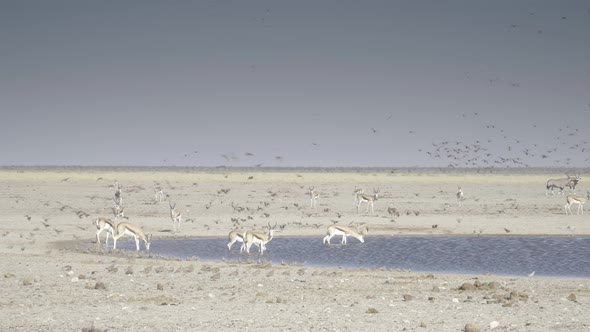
496, 148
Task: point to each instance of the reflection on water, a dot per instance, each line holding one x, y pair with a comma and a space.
502, 255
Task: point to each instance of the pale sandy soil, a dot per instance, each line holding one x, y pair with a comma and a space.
48, 284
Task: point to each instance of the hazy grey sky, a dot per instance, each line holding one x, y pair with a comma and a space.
295, 83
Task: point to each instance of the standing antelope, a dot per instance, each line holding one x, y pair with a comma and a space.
345, 231
356, 192
459, 195
126, 228
570, 182
369, 199
119, 211
573, 183
314, 195
176, 216
259, 239
118, 199
104, 225
576, 199
158, 194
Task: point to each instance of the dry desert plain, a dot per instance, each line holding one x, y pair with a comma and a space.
55, 278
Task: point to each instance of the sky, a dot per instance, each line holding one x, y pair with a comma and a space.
295, 83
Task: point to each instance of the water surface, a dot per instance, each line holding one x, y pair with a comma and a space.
500, 255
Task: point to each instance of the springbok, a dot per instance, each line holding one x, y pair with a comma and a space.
118, 199
175, 215
459, 195
355, 193
369, 199
344, 231
126, 228
104, 225
314, 195
576, 199
236, 236
259, 239
158, 194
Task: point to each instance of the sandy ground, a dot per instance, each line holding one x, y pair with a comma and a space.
49, 284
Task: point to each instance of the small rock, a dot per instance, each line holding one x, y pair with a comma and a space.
160, 287
129, 270
422, 324
408, 297
112, 269
27, 282
372, 310
493, 285
470, 327
100, 285
467, 286
81, 277
435, 289
216, 276
572, 297
67, 268
9, 275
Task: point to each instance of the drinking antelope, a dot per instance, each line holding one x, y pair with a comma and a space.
126, 228
314, 195
104, 225
369, 199
345, 231
576, 199
259, 239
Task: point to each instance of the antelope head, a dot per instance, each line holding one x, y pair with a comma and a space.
376, 192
